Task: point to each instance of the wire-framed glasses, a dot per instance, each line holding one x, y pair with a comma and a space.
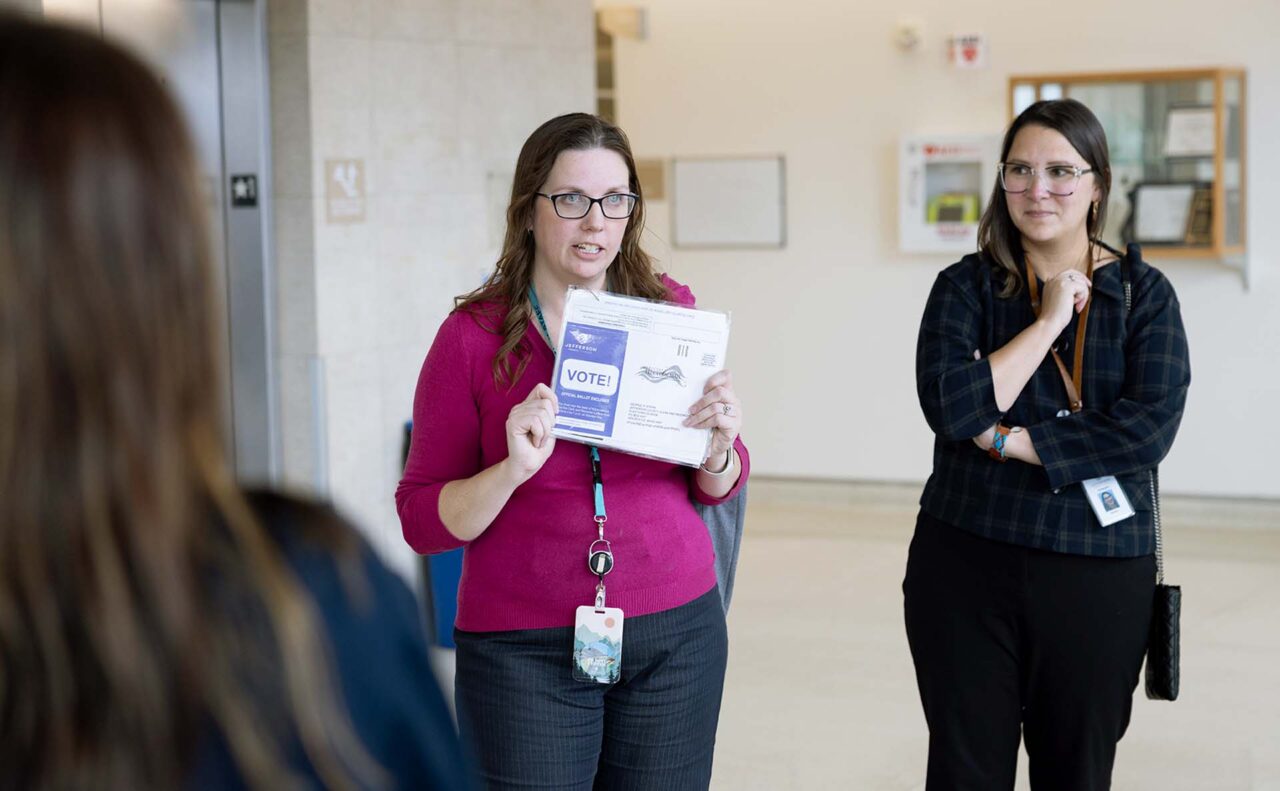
575, 205
1059, 180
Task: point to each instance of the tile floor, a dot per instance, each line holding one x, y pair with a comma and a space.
820, 692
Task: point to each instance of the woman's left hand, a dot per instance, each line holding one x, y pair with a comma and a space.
720, 410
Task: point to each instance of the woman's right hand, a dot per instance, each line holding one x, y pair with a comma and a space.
1067, 292
529, 437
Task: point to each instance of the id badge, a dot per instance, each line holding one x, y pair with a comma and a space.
597, 644
1106, 496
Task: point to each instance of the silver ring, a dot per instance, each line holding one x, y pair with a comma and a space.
726, 408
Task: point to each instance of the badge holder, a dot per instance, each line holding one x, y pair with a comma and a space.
597, 630
1107, 498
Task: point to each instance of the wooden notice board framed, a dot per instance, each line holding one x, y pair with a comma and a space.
728, 202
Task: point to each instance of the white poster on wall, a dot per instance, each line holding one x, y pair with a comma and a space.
943, 185
729, 202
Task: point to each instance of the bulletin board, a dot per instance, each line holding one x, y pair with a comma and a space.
729, 202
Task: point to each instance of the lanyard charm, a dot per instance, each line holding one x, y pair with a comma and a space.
600, 595
600, 558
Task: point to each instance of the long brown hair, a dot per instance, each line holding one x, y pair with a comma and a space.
138, 590
631, 273
998, 238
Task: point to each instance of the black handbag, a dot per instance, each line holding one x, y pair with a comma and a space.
1166, 611
1161, 678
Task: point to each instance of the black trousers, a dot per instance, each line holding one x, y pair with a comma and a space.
1012, 642
532, 725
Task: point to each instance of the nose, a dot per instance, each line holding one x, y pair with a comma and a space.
594, 218
1039, 186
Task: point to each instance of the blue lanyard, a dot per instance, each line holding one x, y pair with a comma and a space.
599, 561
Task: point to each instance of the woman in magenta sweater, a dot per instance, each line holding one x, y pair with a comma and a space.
485, 472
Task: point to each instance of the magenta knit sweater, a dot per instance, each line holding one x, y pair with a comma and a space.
528, 570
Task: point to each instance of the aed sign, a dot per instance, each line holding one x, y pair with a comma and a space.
589, 377
969, 51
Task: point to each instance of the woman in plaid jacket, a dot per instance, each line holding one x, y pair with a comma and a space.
1027, 606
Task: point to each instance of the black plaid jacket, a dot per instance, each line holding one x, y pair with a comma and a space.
1134, 386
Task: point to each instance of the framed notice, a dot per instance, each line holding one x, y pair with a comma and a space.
729, 202
1162, 212
1189, 132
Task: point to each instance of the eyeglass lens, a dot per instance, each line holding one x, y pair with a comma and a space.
574, 206
1059, 180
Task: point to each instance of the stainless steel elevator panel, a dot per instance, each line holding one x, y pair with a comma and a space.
212, 56
246, 147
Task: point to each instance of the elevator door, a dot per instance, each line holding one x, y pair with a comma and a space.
212, 57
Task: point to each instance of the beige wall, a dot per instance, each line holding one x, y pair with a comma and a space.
824, 330
435, 98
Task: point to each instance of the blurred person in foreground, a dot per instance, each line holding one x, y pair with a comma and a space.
160, 627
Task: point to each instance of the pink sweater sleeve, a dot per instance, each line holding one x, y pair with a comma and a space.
681, 295
445, 441
707, 499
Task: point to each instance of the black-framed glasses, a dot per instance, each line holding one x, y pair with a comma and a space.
575, 205
1059, 180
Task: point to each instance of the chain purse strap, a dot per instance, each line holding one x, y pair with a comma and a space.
1134, 253
1155, 501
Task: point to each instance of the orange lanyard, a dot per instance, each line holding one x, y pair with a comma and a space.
1070, 381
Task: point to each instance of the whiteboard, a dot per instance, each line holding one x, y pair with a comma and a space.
728, 202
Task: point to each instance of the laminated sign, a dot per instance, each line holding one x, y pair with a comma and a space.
627, 371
